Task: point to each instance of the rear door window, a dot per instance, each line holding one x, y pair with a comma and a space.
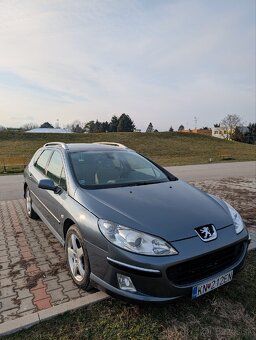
55, 167
56, 170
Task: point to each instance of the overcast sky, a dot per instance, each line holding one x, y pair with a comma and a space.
162, 61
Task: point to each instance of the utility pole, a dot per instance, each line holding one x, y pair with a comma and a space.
195, 120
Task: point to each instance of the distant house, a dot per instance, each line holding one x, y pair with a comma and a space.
222, 132
49, 130
219, 132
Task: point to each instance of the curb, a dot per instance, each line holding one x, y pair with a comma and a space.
30, 320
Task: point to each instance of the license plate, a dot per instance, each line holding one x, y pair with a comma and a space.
212, 284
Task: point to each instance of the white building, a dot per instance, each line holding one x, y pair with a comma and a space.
219, 132
49, 130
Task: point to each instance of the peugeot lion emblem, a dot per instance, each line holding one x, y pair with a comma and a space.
207, 232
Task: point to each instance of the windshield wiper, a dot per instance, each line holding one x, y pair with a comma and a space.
144, 183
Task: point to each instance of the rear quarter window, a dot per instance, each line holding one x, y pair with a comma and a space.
42, 160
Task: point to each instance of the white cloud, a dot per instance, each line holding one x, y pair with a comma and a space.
163, 61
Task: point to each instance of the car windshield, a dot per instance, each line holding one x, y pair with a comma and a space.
104, 169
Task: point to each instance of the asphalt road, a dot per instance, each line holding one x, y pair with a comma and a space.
214, 171
11, 186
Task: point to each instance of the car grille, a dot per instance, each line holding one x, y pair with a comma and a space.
204, 266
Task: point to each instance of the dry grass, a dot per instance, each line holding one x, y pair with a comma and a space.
16, 160
164, 148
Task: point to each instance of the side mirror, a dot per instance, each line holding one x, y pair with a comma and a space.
48, 184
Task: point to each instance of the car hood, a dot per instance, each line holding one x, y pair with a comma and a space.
170, 210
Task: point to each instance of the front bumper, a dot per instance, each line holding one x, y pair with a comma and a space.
151, 275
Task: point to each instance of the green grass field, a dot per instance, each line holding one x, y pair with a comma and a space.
163, 147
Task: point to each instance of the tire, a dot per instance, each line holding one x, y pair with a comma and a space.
77, 257
30, 211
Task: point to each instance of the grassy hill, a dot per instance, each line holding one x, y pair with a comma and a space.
163, 147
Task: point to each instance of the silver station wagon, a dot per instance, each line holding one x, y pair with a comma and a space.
129, 226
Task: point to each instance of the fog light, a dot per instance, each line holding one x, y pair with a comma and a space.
125, 283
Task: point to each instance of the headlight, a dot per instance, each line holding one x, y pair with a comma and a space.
135, 241
237, 219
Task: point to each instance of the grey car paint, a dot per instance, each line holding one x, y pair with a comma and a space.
182, 208
170, 210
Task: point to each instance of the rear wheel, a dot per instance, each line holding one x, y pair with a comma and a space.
77, 257
30, 211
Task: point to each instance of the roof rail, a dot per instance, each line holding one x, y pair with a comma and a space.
113, 144
63, 145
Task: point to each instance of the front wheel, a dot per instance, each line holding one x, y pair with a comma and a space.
30, 211
77, 257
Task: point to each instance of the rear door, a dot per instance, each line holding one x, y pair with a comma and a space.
54, 201
36, 172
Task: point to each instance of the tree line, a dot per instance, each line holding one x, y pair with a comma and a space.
232, 124
124, 123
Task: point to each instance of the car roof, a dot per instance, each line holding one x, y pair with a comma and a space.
93, 147
101, 146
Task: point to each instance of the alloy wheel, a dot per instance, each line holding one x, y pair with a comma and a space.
76, 258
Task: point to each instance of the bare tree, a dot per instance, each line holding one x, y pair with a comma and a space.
77, 126
67, 127
29, 126
230, 122
2, 128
